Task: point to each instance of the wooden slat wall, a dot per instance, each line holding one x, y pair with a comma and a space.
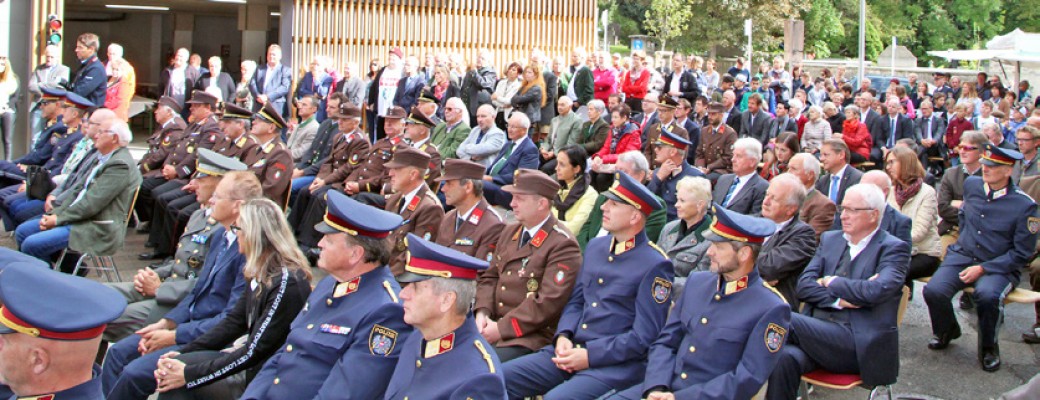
359, 30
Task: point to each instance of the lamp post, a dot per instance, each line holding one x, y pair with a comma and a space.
862, 39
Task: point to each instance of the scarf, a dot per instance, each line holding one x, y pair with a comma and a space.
576, 191
439, 89
850, 126
905, 192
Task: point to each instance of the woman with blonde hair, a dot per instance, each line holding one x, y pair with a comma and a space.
243, 97
531, 97
683, 239
914, 198
120, 89
8, 92
970, 96
443, 87
279, 284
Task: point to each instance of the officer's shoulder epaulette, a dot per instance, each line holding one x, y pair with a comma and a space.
495, 213
561, 230
390, 291
487, 357
659, 249
1020, 191
777, 292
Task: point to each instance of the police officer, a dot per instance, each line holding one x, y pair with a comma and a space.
998, 230
666, 111
413, 201
693, 360
617, 309
48, 342
533, 269
472, 227
446, 358
155, 291
346, 341
672, 167
270, 160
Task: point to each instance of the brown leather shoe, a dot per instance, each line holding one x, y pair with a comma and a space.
1031, 337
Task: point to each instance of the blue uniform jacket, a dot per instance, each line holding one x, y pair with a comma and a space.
466, 367
62, 150
44, 147
874, 323
998, 233
525, 155
666, 189
896, 224
618, 307
719, 342
219, 286
340, 347
90, 81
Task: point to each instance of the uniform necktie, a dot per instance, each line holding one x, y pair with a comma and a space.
458, 223
525, 238
729, 193
834, 189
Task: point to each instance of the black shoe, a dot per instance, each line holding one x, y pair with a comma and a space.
990, 358
151, 256
144, 227
942, 341
1031, 337
967, 302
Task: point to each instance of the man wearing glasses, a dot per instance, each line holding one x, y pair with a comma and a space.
851, 292
450, 133
951, 191
1028, 139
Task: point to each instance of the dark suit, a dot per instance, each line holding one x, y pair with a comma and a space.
191, 75
477, 87
850, 177
281, 81
904, 129
781, 125
525, 155
931, 128
759, 130
408, 90
862, 340
224, 83
552, 87
733, 118
785, 255
878, 127
584, 86
687, 85
748, 200
896, 224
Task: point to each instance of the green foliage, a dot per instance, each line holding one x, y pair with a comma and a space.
824, 23
619, 49
667, 19
1025, 15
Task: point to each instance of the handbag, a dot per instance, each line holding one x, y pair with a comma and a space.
38, 182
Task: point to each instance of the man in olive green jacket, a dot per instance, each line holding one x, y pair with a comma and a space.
448, 135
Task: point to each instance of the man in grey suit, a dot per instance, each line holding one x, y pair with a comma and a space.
755, 122
485, 140
743, 190
786, 253
782, 123
929, 131
565, 128
271, 82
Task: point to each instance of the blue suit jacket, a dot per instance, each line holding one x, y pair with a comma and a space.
524, 156
280, 84
875, 284
220, 285
896, 224
307, 87
90, 81
44, 146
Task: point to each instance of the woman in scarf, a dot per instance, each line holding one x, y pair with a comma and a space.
575, 200
913, 198
443, 88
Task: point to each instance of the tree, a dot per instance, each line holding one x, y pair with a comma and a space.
667, 19
823, 23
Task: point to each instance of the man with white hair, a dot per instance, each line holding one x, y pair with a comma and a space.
996, 137
216, 81
115, 52
351, 85
875, 124
580, 87
892, 221
450, 133
817, 210
743, 190
851, 290
178, 79
105, 195
271, 82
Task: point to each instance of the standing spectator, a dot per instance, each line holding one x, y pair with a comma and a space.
531, 96
120, 88
195, 60
604, 77
381, 93
739, 68
8, 97
316, 82
216, 81
443, 89
968, 95
178, 79
914, 198
351, 85
115, 52
48, 74
636, 82
243, 97
271, 82
478, 84
681, 83
505, 89
816, 131
89, 80
779, 74
711, 77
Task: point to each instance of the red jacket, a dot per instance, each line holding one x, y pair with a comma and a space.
629, 140
857, 137
636, 89
954, 131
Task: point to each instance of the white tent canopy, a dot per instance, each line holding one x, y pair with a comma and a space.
1015, 48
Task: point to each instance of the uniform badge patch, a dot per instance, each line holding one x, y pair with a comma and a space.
662, 290
490, 256
774, 337
532, 285
559, 277
426, 236
1034, 225
354, 158
381, 340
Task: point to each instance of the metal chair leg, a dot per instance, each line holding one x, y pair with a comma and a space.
803, 389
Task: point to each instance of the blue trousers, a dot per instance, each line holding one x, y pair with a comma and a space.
813, 344
127, 374
990, 290
496, 196
535, 374
41, 244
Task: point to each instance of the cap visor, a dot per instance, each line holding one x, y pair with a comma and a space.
326, 229
395, 164
408, 277
443, 178
713, 237
610, 195
991, 163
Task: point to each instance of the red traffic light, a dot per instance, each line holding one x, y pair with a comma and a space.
54, 24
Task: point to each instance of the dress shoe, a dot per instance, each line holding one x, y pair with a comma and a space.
151, 256
1031, 337
967, 302
144, 227
942, 341
990, 358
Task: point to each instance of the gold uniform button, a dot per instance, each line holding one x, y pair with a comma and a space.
600, 281
717, 297
418, 364
594, 305
692, 349
584, 326
277, 381
196, 251
310, 326
509, 272
328, 302
682, 375
288, 349
704, 321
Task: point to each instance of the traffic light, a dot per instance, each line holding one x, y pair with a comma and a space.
54, 30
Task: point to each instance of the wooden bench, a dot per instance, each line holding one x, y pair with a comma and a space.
1019, 295
863, 166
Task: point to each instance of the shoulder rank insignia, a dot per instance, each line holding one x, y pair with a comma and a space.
345, 288
381, 340
269, 147
487, 357
390, 291
260, 163
414, 203
662, 290
562, 231
539, 238
439, 346
774, 337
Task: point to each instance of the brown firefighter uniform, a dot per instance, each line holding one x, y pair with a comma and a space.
348, 151
160, 145
434, 170
422, 216
715, 150
476, 236
526, 288
372, 176
272, 163
199, 135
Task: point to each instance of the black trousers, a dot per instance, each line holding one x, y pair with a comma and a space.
813, 343
145, 201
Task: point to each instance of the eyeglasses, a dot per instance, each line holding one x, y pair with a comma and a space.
843, 209
967, 148
1027, 139
235, 228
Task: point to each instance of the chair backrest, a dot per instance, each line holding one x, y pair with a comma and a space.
133, 202
903, 301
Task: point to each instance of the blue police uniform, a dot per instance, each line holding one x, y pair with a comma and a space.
346, 341
74, 309
90, 81
722, 338
666, 188
459, 364
617, 309
998, 230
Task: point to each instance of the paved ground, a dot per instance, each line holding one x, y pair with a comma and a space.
951, 374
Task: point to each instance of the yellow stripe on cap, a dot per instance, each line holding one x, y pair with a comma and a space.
267, 117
